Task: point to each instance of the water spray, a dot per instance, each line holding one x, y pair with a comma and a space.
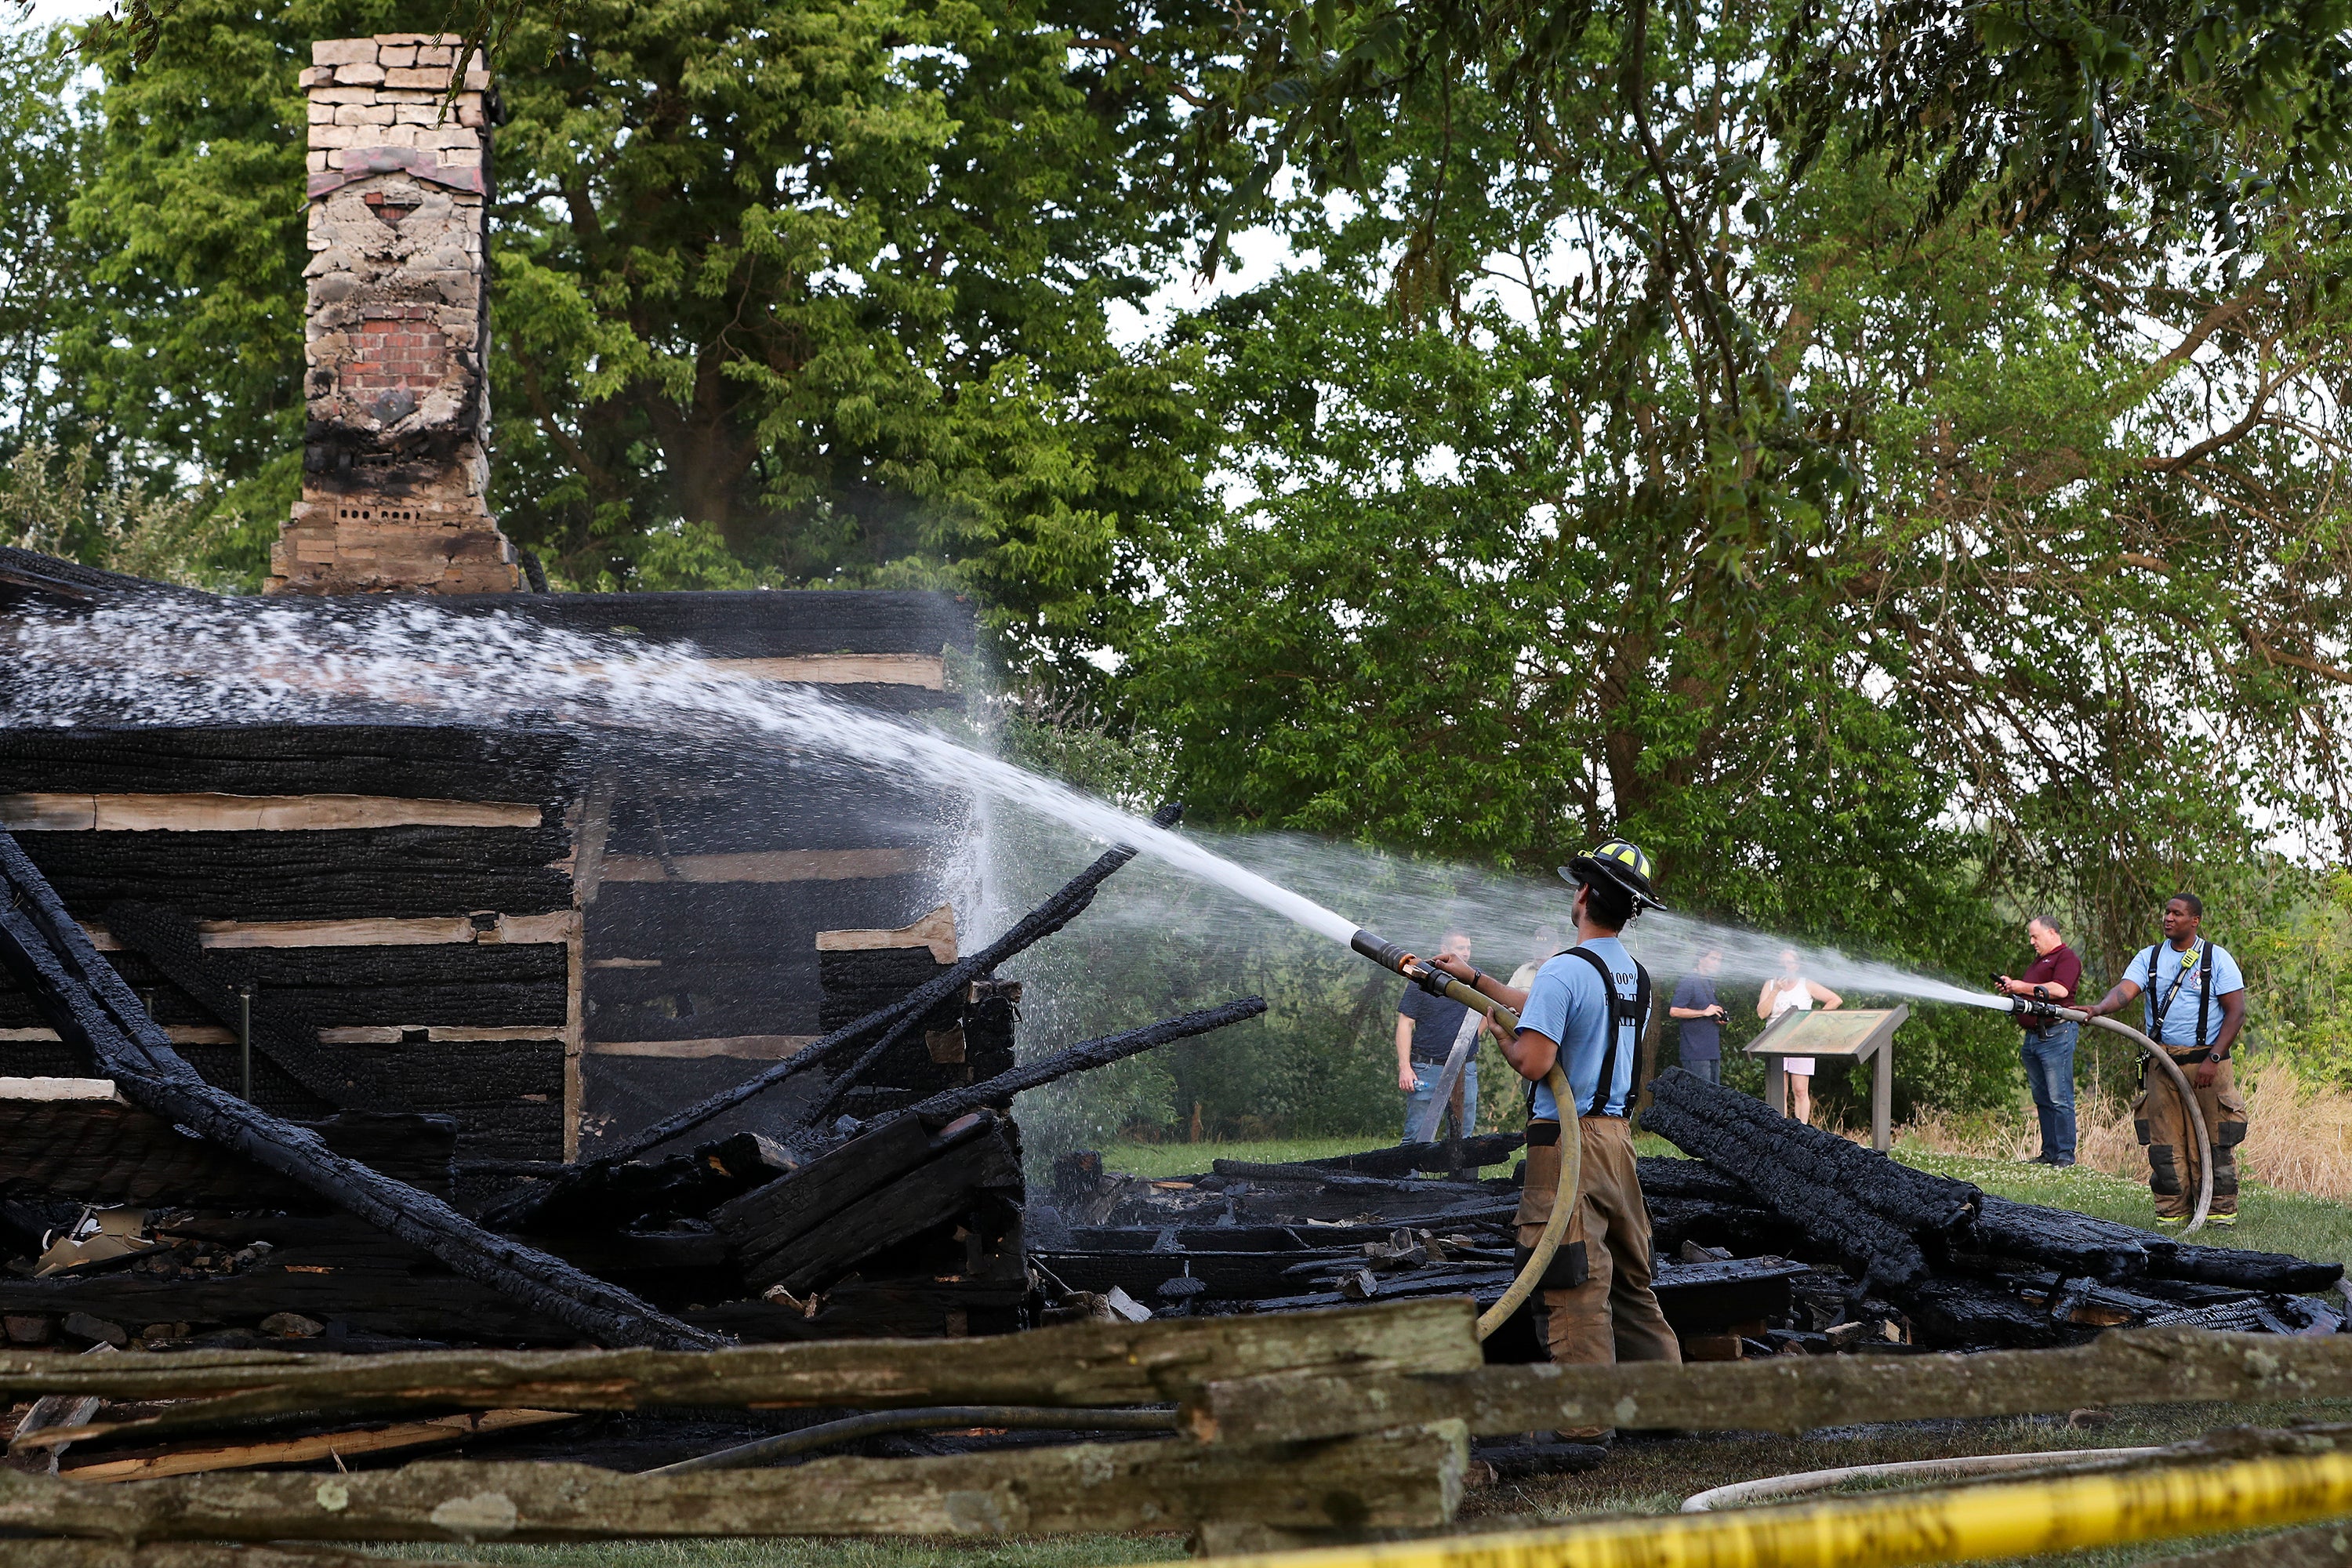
1437, 983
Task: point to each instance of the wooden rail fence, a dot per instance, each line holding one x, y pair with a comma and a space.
1294, 1429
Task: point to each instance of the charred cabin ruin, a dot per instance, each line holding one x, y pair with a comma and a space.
550, 944
474, 950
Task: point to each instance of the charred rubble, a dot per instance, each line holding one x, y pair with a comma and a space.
148, 1203
1774, 1239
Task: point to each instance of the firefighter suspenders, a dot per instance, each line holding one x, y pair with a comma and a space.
2204, 992
1619, 1016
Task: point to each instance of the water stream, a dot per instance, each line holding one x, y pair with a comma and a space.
196, 662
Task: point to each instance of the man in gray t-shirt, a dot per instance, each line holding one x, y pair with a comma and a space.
1702, 1016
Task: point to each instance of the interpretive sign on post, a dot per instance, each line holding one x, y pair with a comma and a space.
1848, 1034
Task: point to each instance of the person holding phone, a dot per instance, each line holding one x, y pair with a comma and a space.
1702, 1018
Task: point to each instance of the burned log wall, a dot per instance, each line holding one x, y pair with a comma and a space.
706, 882
433, 955
489, 920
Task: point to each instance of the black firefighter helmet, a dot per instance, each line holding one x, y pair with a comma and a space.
1621, 864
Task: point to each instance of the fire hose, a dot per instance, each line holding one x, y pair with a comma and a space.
1997, 1519
2034, 1007
1437, 983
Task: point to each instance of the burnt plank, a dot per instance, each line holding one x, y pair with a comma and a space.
934, 1193
2273, 1271
396, 1300
421, 761
334, 874
1710, 1298
785, 805
689, 1014
471, 976
769, 1219
747, 921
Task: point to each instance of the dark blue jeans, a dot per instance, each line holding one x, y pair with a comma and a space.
2050, 1073
1707, 1067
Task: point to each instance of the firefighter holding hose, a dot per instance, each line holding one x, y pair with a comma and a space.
1586, 1009
2196, 1006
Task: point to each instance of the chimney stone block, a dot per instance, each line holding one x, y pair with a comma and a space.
395, 465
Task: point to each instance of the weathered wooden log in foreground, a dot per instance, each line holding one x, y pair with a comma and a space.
1388, 1481
1079, 1364
1792, 1393
84, 1553
87, 1004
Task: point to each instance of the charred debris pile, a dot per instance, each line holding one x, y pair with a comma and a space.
143, 1203
1774, 1238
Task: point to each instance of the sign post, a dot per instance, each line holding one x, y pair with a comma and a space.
1849, 1034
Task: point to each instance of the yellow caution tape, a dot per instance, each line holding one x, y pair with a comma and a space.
2014, 1519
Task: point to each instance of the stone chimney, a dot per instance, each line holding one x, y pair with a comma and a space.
394, 465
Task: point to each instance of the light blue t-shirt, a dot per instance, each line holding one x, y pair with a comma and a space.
2179, 1026
1567, 1005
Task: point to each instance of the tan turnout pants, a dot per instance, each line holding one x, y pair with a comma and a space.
1614, 1316
2164, 1130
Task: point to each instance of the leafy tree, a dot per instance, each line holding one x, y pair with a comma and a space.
816, 295
2005, 533
45, 136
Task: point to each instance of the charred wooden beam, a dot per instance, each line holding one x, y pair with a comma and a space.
1868, 1209
889, 1022
1085, 1057
2068, 1242
87, 1002
2277, 1272
611, 1197
967, 1160
1404, 1159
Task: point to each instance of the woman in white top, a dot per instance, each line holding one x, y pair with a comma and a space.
1790, 992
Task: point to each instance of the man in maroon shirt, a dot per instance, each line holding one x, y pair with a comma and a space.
2054, 975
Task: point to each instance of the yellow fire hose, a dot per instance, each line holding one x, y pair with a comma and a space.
1571, 1145
2009, 1518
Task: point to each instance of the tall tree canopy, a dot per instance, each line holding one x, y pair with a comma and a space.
1855, 448
1627, 462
